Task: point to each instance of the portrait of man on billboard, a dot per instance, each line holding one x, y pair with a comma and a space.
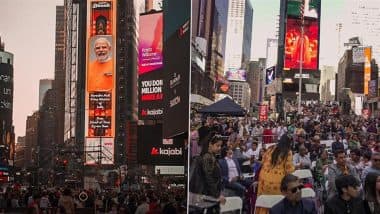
100, 69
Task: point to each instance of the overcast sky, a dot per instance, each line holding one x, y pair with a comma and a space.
27, 27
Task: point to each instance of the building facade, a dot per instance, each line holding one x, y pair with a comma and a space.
7, 143
241, 93
351, 75
45, 85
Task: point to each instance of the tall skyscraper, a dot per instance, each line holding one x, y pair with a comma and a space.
45, 84
6, 106
247, 36
71, 69
59, 73
235, 35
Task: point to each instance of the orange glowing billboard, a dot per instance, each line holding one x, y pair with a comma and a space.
367, 68
293, 44
100, 82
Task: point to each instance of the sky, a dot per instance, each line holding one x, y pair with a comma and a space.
28, 29
265, 22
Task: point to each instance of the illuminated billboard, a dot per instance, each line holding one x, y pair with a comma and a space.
150, 42
270, 75
311, 8
367, 68
309, 48
236, 75
153, 149
100, 83
151, 80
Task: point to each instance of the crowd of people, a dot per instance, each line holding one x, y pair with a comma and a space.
341, 151
67, 200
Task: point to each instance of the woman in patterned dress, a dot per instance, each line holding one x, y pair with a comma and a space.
277, 162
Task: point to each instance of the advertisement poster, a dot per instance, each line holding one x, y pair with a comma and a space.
177, 67
151, 80
293, 45
236, 75
100, 83
367, 68
150, 42
270, 75
263, 113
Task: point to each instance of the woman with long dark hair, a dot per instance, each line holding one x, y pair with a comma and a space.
372, 192
277, 162
205, 172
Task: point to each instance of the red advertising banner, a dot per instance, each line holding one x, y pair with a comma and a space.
366, 113
263, 112
293, 44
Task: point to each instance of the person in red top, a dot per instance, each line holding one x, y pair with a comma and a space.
267, 135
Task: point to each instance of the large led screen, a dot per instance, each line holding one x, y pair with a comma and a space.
311, 8
293, 47
151, 79
150, 42
236, 75
100, 84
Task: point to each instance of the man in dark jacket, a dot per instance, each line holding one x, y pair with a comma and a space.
231, 173
347, 200
293, 203
337, 145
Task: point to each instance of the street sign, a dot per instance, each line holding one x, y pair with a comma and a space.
304, 76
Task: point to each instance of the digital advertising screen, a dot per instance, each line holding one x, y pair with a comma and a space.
150, 42
311, 8
270, 75
100, 83
294, 47
151, 80
237, 75
153, 149
367, 68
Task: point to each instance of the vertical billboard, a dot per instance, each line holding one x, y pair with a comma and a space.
293, 46
270, 75
151, 82
309, 48
177, 67
100, 83
263, 112
150, 42
367, 68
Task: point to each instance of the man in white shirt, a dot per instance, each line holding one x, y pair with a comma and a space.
231, 173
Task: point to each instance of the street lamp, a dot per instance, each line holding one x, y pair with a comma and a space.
301, 61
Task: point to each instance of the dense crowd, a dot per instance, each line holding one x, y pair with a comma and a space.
66, 200
321, 139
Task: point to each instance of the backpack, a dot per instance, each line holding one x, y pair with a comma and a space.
196, 178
